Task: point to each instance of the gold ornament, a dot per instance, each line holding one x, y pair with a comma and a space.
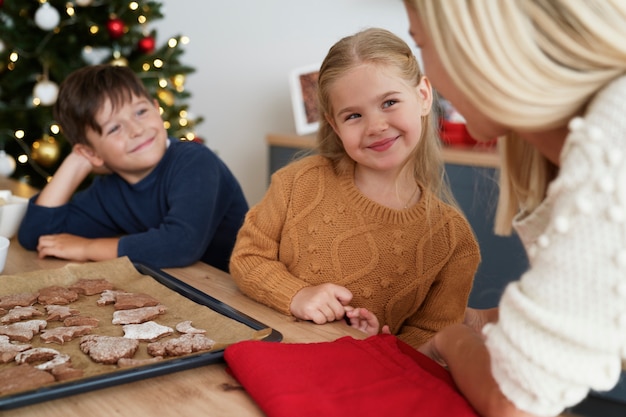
45, 151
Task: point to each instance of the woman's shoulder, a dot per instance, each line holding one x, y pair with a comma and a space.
601, 130
613, 90
607, 107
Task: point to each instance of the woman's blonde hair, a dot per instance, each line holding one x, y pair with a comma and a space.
379, 47
530, 65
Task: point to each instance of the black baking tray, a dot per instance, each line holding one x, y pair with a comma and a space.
64, 389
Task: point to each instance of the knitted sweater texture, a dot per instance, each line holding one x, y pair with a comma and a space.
413, 268
562, 327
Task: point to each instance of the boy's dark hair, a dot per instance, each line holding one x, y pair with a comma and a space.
83, 93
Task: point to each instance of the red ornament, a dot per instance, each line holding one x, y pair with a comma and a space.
146, 45
115, 27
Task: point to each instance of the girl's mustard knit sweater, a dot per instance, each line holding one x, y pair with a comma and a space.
413, 268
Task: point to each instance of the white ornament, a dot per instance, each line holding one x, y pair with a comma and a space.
7, 164
46, 91
47, 17
83, 3
1, 46
95, 55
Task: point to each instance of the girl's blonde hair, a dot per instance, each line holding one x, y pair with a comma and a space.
379, 47
530, 65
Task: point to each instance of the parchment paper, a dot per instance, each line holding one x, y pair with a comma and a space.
123, 275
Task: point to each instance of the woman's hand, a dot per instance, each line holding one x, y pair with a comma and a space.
430, 349
462, 349
476, 319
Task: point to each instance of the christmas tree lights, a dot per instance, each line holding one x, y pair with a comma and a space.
42, 42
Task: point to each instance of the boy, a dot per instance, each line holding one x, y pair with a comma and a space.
164, 202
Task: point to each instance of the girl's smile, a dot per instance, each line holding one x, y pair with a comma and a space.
383, 145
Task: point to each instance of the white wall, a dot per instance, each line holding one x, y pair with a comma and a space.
243, 52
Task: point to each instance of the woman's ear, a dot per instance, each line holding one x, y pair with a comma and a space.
89, 154
425, 94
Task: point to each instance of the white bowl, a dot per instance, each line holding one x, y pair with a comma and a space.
12, 211
4, 250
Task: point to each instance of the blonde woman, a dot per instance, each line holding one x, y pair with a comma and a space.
548, 78
361, 228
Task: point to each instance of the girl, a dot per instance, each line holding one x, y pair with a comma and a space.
362, 223
524, 71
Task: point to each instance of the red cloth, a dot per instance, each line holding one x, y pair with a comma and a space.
378, 376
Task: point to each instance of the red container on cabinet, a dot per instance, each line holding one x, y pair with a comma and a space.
456, 134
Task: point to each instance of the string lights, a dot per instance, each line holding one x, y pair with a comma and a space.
73, 34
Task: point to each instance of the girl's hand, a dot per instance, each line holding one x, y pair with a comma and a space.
321, 304
364, 320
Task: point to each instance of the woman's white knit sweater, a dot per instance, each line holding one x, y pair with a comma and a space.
562, 327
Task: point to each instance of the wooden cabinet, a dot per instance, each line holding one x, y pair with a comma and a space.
472, 174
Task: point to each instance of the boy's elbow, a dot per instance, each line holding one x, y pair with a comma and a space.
26, 241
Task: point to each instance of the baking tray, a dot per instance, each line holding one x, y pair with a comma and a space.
122, 376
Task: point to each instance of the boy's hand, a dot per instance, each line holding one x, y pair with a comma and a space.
364, 320
64, 246
76, 248
79, 155
321, 304
65, 181
101, 170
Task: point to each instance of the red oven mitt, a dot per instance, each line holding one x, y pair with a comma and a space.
378, 376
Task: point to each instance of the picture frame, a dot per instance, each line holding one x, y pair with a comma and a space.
303, 89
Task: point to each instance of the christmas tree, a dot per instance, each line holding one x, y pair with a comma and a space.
42, 42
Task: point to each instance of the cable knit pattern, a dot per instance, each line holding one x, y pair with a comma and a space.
562, 327
413, 268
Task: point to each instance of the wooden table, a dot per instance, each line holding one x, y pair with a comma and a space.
208, 390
